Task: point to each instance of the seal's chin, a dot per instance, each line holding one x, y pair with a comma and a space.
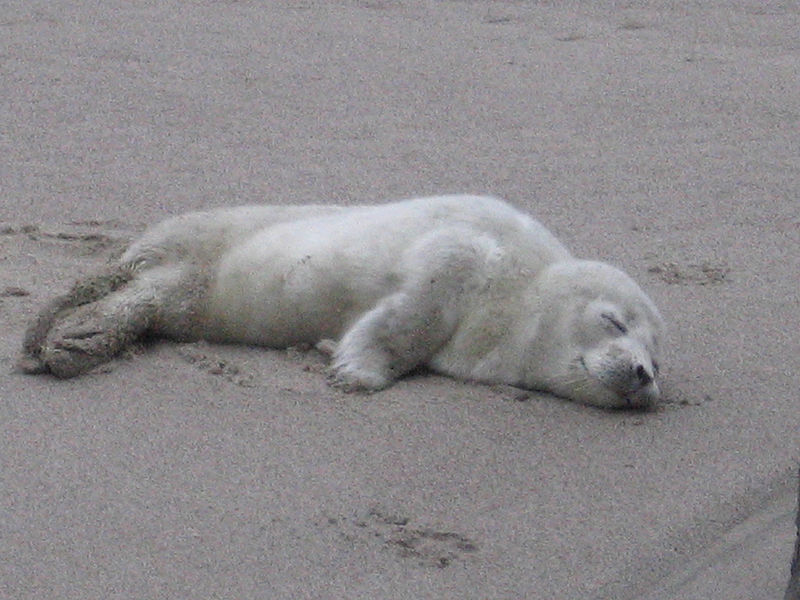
603, 392
641, 400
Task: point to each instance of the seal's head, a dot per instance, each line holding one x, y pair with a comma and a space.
596, 338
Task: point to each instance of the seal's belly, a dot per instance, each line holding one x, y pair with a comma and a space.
291, 285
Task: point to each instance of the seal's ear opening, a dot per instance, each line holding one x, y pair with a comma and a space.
793, 590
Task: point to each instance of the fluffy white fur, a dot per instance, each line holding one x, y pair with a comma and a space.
466, 285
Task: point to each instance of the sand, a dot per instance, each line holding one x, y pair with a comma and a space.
659, 136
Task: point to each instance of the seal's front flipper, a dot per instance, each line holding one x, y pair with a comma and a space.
405, 329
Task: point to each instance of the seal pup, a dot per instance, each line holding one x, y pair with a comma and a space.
467, 286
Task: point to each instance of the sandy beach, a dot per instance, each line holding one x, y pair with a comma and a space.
661, 137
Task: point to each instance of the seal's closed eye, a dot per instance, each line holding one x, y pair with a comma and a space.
615, 322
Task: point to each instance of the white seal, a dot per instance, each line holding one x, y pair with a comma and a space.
465, 285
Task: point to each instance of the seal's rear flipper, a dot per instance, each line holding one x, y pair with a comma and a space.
83, 292
93, 334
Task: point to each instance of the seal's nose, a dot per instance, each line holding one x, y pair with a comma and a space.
643, 375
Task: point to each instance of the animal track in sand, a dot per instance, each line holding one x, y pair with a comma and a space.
202, 357
85, 243
705, 273
426, 546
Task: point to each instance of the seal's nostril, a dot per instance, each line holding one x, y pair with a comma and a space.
643, 375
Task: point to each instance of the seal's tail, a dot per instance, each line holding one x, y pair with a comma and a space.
83, 292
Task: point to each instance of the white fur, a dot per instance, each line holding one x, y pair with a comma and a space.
466, 285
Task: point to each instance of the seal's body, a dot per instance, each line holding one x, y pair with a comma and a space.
465, 285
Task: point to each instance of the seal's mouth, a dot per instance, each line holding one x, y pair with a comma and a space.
628, 398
